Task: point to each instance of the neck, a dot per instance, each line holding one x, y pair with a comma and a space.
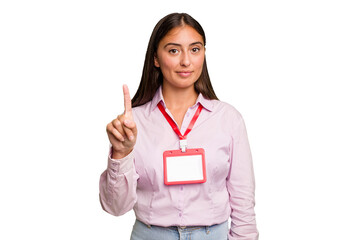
176, 98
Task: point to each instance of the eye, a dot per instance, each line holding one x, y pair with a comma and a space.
195, 50
173, 51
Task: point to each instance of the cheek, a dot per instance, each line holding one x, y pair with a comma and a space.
199, 62
167, 64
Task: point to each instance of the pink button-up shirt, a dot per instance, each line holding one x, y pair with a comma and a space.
137, 181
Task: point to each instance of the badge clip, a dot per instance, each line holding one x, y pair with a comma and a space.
183, 145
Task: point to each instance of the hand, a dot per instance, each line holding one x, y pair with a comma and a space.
122, 130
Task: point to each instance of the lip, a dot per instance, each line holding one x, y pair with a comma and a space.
184, 73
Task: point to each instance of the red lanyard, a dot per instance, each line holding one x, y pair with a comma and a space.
173, 124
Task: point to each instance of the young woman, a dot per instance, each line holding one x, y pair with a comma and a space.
175, 112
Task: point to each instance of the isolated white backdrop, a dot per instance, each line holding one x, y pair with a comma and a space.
290, 67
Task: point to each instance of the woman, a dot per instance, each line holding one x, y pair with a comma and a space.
175, 101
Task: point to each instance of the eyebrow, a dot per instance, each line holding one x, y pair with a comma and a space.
177, 44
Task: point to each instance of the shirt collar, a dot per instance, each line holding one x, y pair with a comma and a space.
158, 97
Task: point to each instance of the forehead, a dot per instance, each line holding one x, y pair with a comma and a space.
182, 35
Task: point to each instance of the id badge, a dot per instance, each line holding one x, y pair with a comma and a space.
184, 167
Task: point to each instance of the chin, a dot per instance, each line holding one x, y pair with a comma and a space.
182, 83
185, 85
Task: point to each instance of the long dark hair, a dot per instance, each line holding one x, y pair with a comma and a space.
152, 77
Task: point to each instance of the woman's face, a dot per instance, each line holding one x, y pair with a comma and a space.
180, 56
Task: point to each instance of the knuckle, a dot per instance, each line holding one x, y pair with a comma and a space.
116, 123
109, 127
120, 117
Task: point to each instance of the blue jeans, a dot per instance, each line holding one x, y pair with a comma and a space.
142, 231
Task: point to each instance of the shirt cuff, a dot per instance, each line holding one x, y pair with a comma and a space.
120, 166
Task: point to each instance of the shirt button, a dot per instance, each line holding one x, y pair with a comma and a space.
181, 188
180, 214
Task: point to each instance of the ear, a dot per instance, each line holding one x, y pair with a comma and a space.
156, 62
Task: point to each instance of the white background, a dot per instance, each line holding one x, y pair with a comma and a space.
290, 67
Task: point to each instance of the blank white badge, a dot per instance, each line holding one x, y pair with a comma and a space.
184, 167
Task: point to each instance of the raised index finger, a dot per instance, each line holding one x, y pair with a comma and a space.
127, 102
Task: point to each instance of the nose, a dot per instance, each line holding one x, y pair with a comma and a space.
185, 59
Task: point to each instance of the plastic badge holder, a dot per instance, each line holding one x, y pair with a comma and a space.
184, 167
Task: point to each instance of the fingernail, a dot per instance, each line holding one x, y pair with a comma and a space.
126, 122
131, 138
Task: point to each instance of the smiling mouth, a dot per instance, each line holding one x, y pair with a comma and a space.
184, 73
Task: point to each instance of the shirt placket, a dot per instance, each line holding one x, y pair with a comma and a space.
184, 126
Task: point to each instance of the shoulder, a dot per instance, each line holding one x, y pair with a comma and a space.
226, 109
229, 118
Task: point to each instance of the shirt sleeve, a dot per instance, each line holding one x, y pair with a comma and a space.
241, 185
118, 185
